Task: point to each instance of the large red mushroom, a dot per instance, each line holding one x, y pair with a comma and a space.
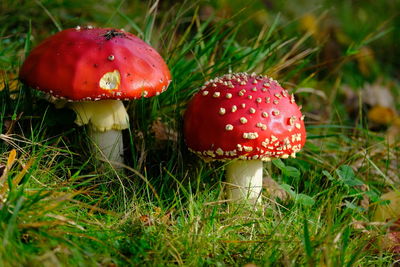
244, 119
95, 69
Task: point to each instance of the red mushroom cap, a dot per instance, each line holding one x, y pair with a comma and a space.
93, 64
244, 116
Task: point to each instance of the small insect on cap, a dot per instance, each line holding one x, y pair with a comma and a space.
86, 63
246, 117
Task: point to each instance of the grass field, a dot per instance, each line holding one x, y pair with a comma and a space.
60, 207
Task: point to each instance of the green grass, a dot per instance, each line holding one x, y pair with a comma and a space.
57, 206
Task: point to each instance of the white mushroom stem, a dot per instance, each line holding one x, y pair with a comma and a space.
244, 178
108, 145
106, 119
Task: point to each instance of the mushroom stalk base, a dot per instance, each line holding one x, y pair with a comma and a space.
244, 179
108, 145
105, 119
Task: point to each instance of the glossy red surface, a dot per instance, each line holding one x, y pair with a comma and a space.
72, 63
244, 116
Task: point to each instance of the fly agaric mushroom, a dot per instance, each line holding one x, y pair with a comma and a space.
245, 119
95, 69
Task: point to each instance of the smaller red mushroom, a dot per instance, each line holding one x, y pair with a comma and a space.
244, 119
95, 69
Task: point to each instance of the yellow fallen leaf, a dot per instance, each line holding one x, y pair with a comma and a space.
381, 115
11, 158
365, 59
341, 37
309, 24
10, 161
10, 79
388, 211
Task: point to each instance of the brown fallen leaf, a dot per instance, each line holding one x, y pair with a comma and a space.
146, 220
162, 132
365, 59
390, 241
274, 190
393, 133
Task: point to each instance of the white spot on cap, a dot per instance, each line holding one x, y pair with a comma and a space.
253, 135
296, 137
258, 100
216, 94
265, 143
219, 152
229, 127
243, 120
234, 108
292, 100
262, 126
291, 120
110, 80
228, 95
275, 112
252, 110
204, 93
297, 125
222, 111
111, 57
247, 148
265, 114
239, 147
